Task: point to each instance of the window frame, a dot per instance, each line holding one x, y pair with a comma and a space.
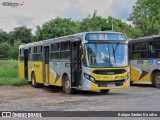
134, 51
156, 49
33, 51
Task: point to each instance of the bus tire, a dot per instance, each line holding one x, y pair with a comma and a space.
156, 80
67, 86
104, 91
33, 81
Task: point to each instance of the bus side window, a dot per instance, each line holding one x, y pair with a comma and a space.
151, 52
21, 52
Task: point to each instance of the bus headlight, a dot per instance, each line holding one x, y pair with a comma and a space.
86, 75
127, 77
89, 77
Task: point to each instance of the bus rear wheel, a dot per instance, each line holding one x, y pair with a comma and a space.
33, 81
104, 91
67, 85
156, 80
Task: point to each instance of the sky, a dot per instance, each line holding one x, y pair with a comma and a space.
31, 13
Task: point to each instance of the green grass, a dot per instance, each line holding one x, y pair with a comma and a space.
12, 81
9, 73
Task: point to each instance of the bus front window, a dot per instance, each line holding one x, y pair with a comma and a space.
107, 55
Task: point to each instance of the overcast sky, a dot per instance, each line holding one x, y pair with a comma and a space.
36, 12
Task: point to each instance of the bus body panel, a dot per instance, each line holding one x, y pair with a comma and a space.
21, 69
144, 58
57, 70
104, 82
96, 87
107, 76
36, 67
53, 79
88, 85
140, 73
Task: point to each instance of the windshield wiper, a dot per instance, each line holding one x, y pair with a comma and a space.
109, 56
114, 54
114, 51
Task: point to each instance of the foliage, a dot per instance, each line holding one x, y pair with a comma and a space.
9, 73
12, 81
8, 51
8, 69
13, 51
105, 24
56, 28
3, 37
92, 24
4, 47
145, 17
22, 33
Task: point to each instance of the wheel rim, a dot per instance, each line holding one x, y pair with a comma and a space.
158, 80
67, 86
33, 82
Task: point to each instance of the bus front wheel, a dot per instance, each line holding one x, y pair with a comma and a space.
67, 85
156, 80
33, 81
104, 91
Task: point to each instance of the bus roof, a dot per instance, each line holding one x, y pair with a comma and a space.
73, 37
144, 39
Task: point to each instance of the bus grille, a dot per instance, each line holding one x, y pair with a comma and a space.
108, 83
109, 72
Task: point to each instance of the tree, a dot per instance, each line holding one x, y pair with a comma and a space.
4, 47
146, 16
4, 37
121, 26
93, 24
22, 33
13, 51
105, 24
11, 38
38, 35
56, 28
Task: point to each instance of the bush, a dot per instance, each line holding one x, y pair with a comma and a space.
4, 47
13, 51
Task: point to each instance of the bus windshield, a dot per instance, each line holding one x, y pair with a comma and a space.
107, 55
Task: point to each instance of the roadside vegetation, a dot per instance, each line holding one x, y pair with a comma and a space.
9, 73
143, 21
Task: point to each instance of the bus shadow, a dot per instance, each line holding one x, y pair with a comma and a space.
56, 89
142, 85
96, 93
51, 89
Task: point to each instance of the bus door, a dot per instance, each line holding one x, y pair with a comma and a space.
26, 64
46, 65
75, 64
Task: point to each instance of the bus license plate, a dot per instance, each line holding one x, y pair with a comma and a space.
111, 85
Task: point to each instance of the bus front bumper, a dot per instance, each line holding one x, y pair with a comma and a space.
104, 85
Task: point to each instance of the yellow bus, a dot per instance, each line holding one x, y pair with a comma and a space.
145, 60
84, 61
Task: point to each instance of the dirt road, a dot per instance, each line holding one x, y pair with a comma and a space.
137, 97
